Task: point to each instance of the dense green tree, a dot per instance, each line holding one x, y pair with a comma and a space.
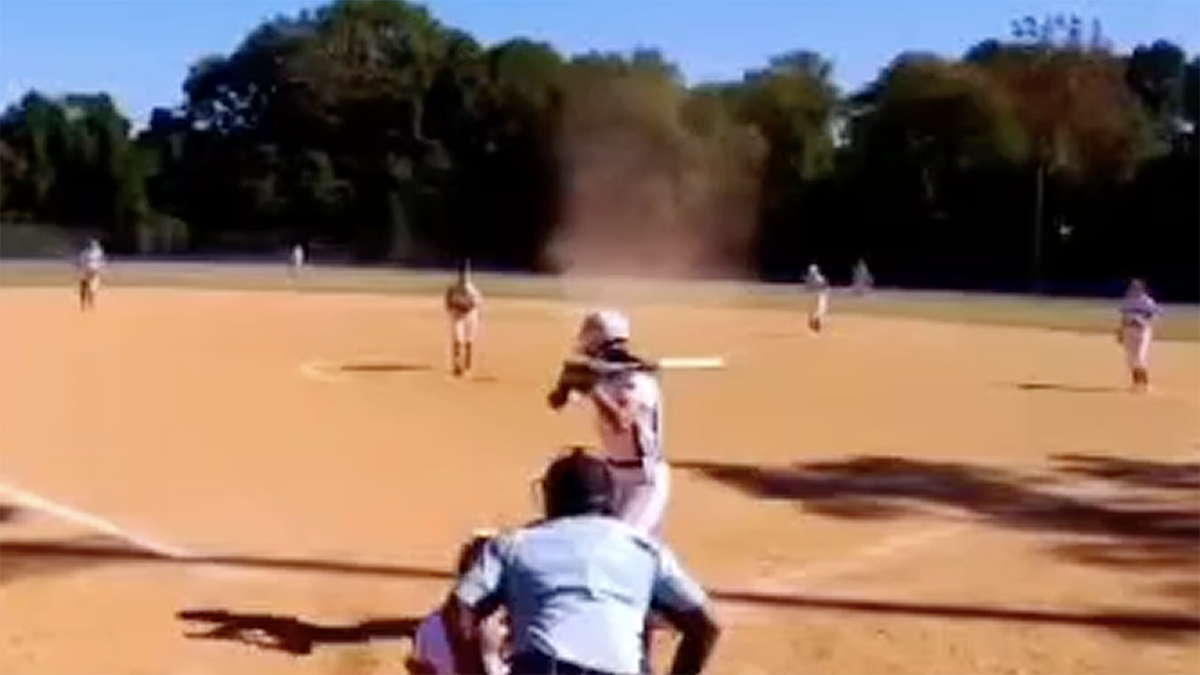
370, 129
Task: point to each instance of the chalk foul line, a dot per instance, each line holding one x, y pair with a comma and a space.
319, 371
32, 500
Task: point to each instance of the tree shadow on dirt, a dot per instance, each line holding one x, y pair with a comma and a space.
1134, 472
1115, 512
1142, 624
892, 487
290, 634
1169, 493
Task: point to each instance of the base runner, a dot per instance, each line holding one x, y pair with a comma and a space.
463, 301
1135, 332
91, 264
816, 283
629, 411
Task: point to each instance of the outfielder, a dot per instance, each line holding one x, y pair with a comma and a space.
816, 283
628, 403
91, 263
863, 281
297, 260
463, 301
1136, 330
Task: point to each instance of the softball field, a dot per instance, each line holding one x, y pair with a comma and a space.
196, 480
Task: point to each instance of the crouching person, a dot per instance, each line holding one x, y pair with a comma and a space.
577, 587
432, 653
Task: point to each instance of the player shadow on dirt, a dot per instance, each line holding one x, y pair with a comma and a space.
289, 634
1067, 388
384, 367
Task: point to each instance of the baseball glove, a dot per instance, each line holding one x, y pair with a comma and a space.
814, 324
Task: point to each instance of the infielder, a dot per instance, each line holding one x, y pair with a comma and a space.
816, 283
91, 263
1136, 330
628, 403
463, 301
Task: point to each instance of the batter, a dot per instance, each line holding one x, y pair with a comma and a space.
628, 404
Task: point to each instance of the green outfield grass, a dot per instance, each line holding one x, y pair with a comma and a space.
1180, 322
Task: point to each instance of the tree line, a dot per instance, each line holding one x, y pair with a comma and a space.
371, 130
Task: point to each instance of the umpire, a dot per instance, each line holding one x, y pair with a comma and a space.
578, 586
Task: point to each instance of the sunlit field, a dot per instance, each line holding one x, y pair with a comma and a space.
250, 479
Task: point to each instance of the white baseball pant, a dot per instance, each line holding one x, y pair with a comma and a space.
90, 279
1136, 341
822, 305
642, 494
466, 327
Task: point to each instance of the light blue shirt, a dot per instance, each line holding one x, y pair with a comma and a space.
578, 589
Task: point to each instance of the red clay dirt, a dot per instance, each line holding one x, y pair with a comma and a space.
891, 496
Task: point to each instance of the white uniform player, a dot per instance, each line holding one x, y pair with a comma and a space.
863, 281
297, 259
630, 423
1138, 313
463, 301
816, 283
91, 264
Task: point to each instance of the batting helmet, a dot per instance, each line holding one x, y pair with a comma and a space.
600, 328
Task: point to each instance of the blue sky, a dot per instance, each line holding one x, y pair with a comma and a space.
139, 50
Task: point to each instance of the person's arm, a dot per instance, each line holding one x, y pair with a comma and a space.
683, 603
621, 407
618, 411
574, 376
475, 597
416, 666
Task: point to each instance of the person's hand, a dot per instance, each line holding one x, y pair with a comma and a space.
580, 375
559, 397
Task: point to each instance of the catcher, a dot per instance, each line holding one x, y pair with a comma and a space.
462, 304
628, 403
433, 652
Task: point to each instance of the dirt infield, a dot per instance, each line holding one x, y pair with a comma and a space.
181, 468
